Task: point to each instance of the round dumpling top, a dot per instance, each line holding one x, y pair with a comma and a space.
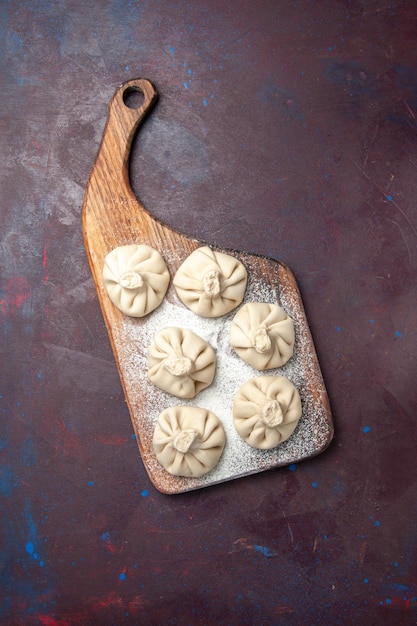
136, 278
180, 362
266, 411
210, 283
263, 335
188, 441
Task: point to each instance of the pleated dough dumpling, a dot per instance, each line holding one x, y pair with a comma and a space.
180, 362
136, 278
210, 283
266, 411
188, 441
263, 335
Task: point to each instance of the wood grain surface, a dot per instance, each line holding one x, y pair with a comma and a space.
112, 217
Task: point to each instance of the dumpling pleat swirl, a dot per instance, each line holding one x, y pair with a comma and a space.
263, 335
266, 411
181, 362
188, 441
136, 278
210, 283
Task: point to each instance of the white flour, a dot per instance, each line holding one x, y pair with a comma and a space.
238, 459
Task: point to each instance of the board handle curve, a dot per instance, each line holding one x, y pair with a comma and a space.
126, 112
109, 178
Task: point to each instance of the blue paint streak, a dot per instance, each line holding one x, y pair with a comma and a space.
23, 545
389, 198
292, 467
402, 587
314, 485
264, 550
367, 429
27, 515
351, 76
205, 102
144, 493
272, 94
90, 483
6, 481
398, 333
338, 328
28, 452
122, 576
377, 523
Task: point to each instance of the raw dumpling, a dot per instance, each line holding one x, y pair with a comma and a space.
266, 411
136, 278
263, 335
188, 441
210, 283
180, 362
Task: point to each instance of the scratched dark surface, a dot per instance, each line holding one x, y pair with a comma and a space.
283, 128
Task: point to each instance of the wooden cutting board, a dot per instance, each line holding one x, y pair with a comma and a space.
112, 217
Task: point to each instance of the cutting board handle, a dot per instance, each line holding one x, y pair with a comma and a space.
124, 116
111, 167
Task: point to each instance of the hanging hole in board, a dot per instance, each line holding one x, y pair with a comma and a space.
133, 97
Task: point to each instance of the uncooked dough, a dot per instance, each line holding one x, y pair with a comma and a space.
180, 362
210, 283
136, 278
266, 411
188, 441
263, 335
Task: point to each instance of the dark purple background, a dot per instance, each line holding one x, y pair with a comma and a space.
283, 128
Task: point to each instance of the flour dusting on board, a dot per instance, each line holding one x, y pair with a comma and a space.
147, 402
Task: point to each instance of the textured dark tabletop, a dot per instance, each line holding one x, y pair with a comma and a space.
283, 128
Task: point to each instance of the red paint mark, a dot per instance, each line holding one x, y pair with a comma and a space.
48, 620
282, 610
36, 155
108, 544
111, 440
112, 600
16, 293
66, 441
45, 264
135, 604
